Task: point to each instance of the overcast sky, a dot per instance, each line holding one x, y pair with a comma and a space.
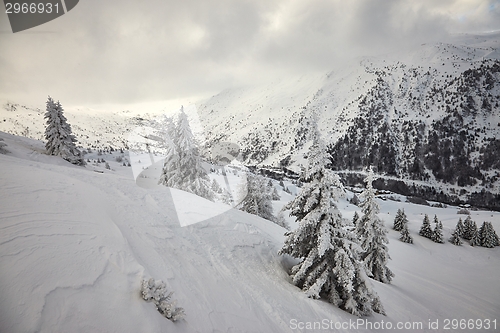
123, 51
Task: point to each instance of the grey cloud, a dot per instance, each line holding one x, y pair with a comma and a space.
124, 51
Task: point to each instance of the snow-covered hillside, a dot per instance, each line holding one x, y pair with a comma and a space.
100, 126
271, 122
76, 243
430, 114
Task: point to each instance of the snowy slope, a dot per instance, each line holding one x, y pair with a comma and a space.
75, 245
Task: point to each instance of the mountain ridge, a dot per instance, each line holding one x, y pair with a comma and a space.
433, 117
430, 114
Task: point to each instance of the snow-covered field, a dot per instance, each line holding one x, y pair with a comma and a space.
75, 244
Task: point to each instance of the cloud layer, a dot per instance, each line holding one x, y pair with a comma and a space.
126, 51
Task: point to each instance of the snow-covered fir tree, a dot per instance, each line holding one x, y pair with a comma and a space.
355, 200
470, 228
472, 232
488, 236
258, 197
460, 228
373, 236
216, 187
455, 237
437, 233
426, 230
405, 234
328, 252
400, 220
188, 174
476, 238
170, 175
60, 140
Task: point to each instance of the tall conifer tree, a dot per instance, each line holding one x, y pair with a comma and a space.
373, 236
426, 230
328, 252
60, 139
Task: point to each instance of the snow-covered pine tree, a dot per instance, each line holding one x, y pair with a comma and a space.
258, 197
373, 235
328, 253
489, 237
405, 234
460, 228
437, 233
355, 200
400, 220
170, 174
469, 228
191, 176
476, 238
60, 140
216, 187
426, 230
455, 237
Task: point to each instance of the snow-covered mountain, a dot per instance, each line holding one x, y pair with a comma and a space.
427, 119
92, 128
75, 245
430, 115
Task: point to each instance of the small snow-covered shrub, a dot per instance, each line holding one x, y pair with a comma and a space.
405, 235
463, 211
437, 233
156, 291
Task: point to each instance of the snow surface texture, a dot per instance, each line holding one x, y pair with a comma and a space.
76, 244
